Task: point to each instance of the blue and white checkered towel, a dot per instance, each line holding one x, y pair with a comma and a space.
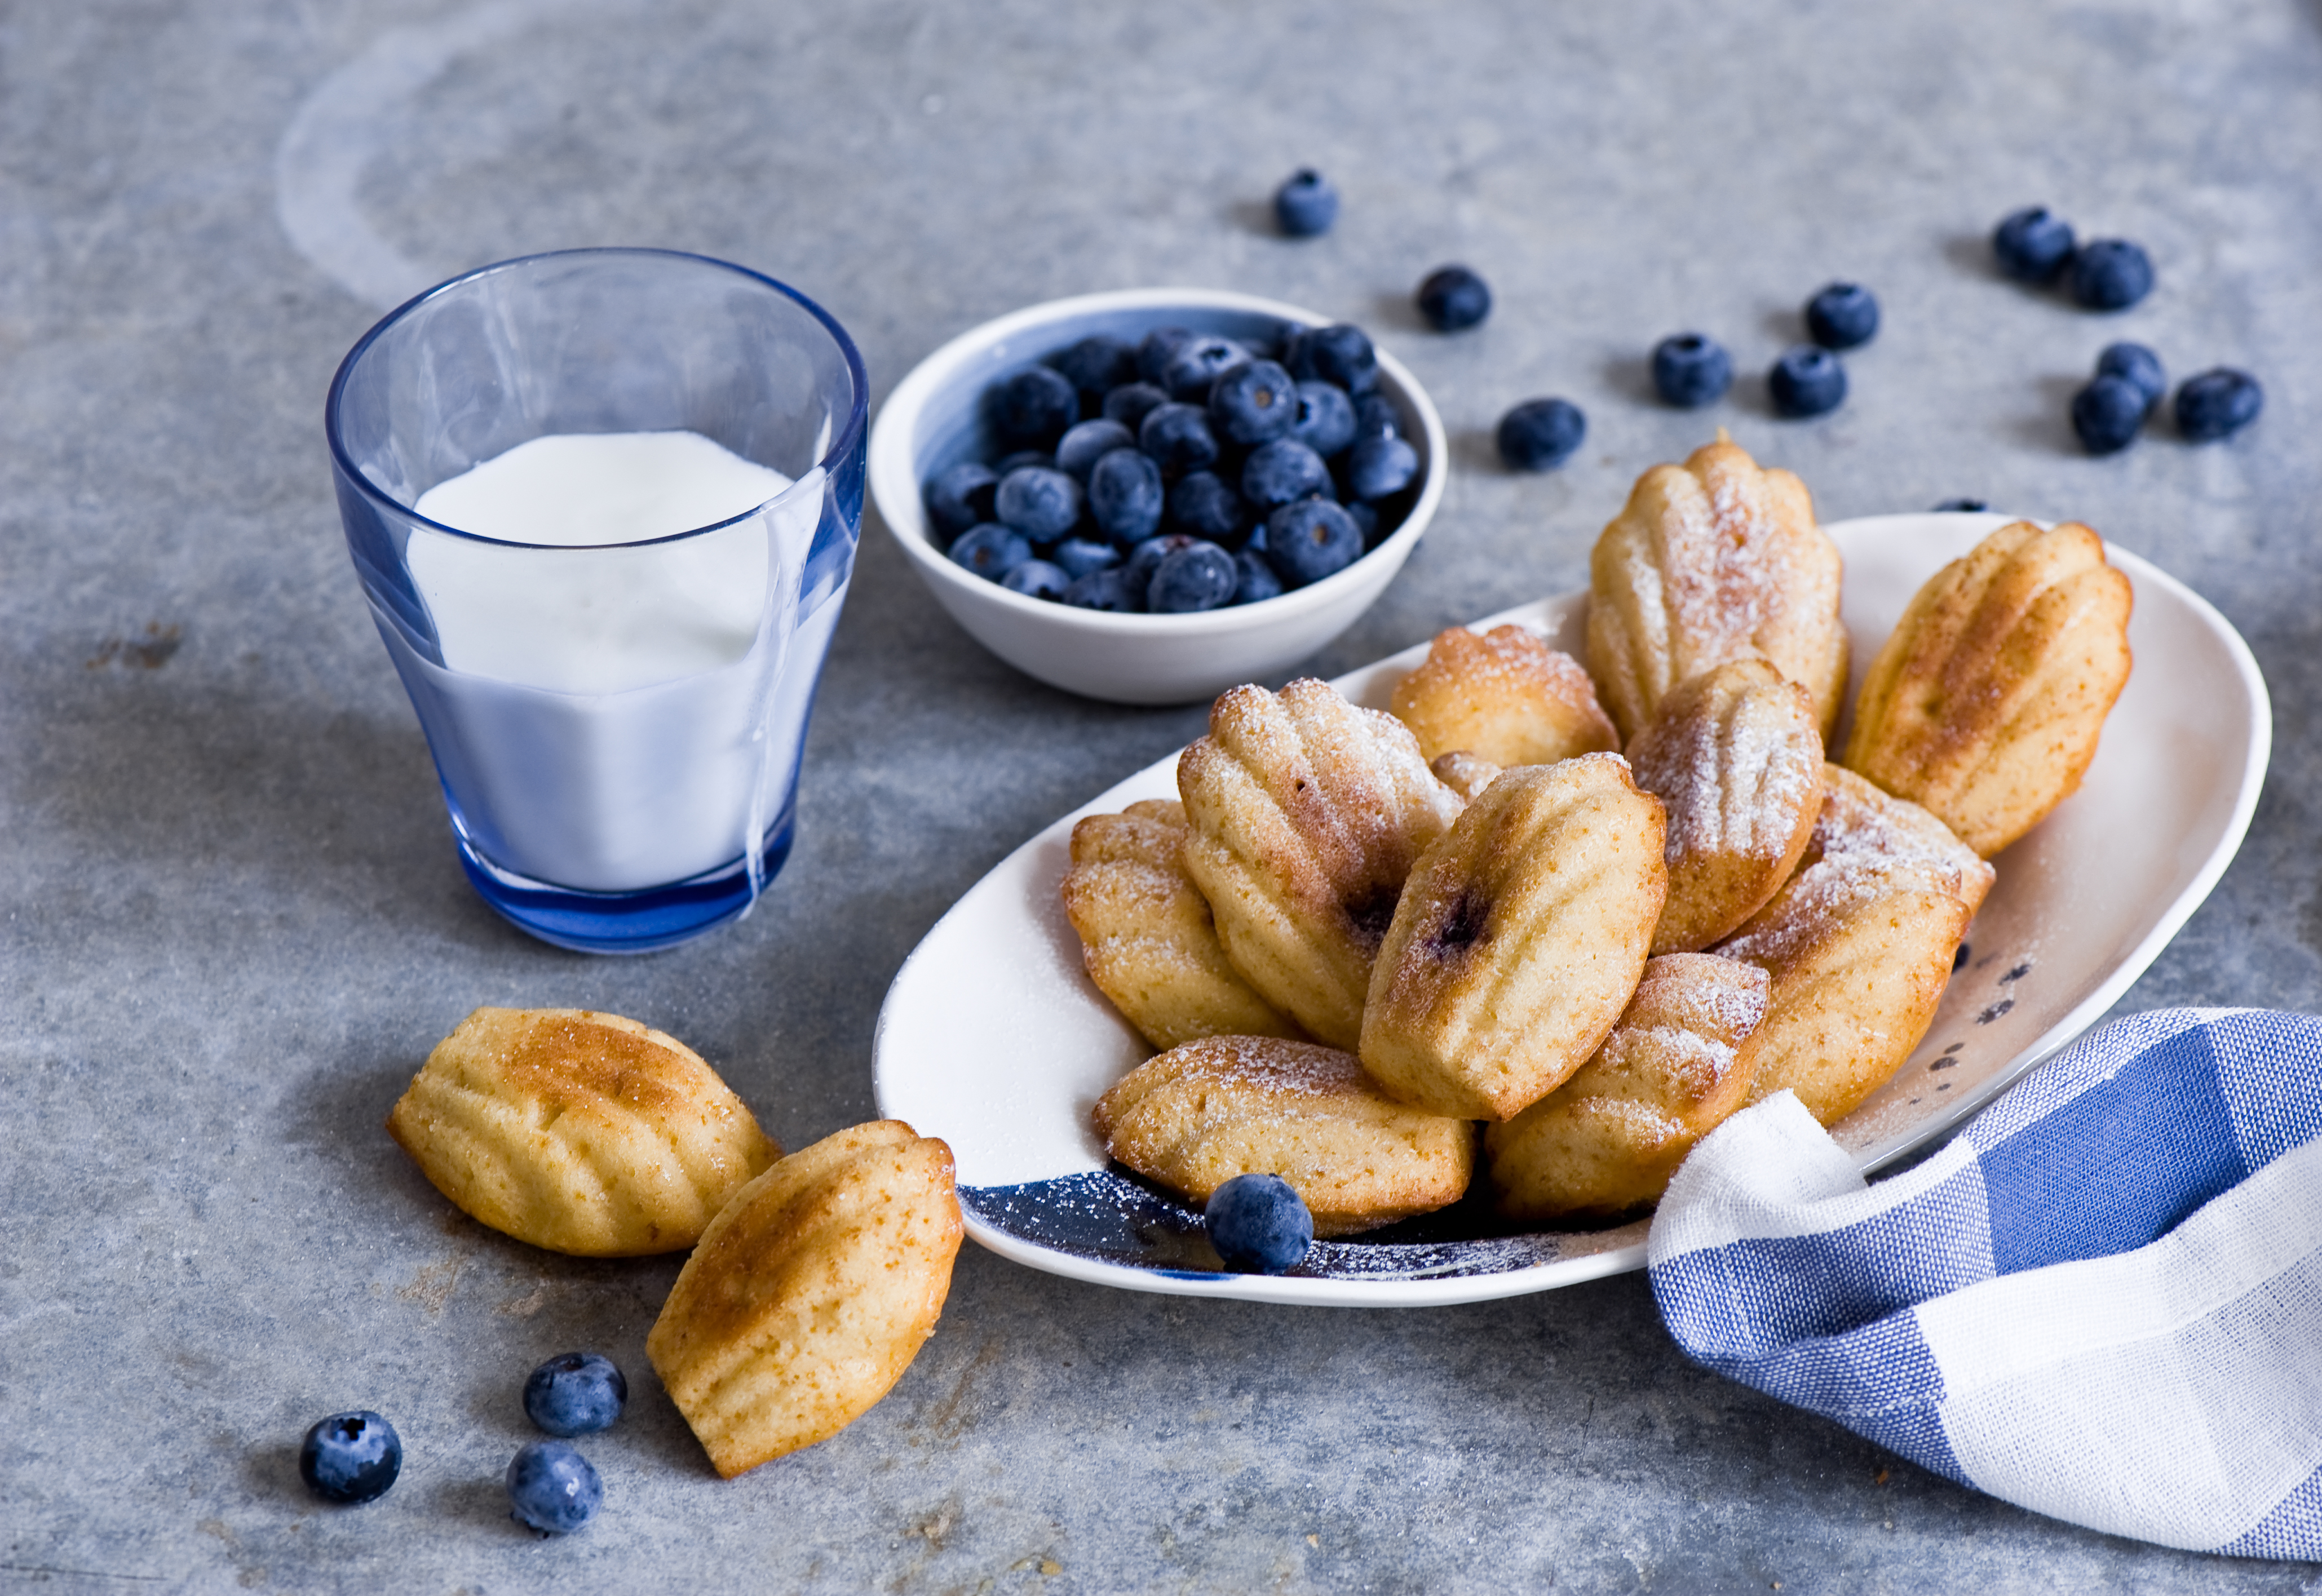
2102, 1301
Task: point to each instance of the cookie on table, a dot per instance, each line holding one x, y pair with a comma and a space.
580, 1132
1986, 702
1147, 938
1464, 773
810, 1293
1198, 1116
1711, 560
1606, 1142
1520, 937
1306, 814
1503, 695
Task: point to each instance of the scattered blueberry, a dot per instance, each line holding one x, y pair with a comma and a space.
1255, 578
2110, 274
551, 1488
2218, 403
1255, 403
1097, 364
350, 1457
1078, 556
1453, 298
1146, 559
1132, 402
1036, 578
2107, 414
1106, 589
1309, 539
1157, 349
2137, 366
1178, 437
1962, 506
1807, 380
1376, 466
577, 1393
1842, 315
1375, 417
2033, 244
1340, 353
1326, 418
1285, 470
1259, 1224
1200, 576
1124, 494
1043, 504
1090, 441
1023, 458
1205, 505
1540, 435
1035, 406
1690, 369
1198, 366
992, 550
1306, 204
961, 496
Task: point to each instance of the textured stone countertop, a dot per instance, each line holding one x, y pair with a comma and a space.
233, 922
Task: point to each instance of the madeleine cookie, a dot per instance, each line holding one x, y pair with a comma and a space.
1607, 1140
1735, 754
1986, 701
1306, 813
582, 1132
1504, 696
1147, 934
1519, 940
810, 1293
1195, 1117
1713, 561
1464, 773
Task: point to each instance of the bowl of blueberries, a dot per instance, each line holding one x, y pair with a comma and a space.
1151, 496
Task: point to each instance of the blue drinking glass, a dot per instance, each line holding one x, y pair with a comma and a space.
600, 799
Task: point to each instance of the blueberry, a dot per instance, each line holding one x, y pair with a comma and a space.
2107, 414
1962, 506
1254, 579
1807, 380
1078, 556
1080, 448
1540, 435
1178, 437
2218, 403
1326, 418
2136, 365
1278, 472
1205, 505
2110, 274
1199, 365
1691, 369
350, 1457
1309, 539
575, 1394
1842, 315
1375, 417
1341, 352
1036, 578
1200, 576
1259, 1224
551, 1488
1365, 519
1453, 298
1255, 403
1124, 496
1043, 504
2033, 244
1158, 348
1097, 364
990, 549
1306, 204
961, 496
1023, 458
1132, 402
1146, 559
1035, 406
1106, 591
1376, 466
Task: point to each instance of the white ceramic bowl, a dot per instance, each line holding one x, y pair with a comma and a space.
935, 419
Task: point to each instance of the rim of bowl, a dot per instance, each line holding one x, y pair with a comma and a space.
894, 475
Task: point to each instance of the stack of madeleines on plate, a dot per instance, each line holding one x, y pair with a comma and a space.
1597, 908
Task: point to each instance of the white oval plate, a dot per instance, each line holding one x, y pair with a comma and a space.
993, 1038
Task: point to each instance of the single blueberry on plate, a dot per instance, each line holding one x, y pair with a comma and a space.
1132, 402
1078, 556
1807, 380
576, 1393
2033, 244
1089, 441
1107, 589
350, 1457
1962, 506
1376, 466
2111, 274
1278, 472
1200, 576
1254, 579
992, 550
2218, 403
1259, 1224
1326, 418
1206, 506
1036, 578
1043, 504
1375, 417
1340, 353
1255, 403
1842, 315
2107, 414
1034, 407
1019, 460
1157, 349
1691, 369
1306, 204
1310, 539
1146, 559
552, 1487
1199, 365
1540, 435
961, 496
1124, 496
2134, 364
1178, 437
1097, 364
1453, 298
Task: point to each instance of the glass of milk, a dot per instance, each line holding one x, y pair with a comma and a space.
604, 505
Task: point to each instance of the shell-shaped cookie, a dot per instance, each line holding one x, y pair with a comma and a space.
1147, 934
1195, 1117
1306, 814
810, 1293
1608, 1140
1735, 754
1711, 560
578, 1132
1519, 940
1986, 703
1502, 694
1464, 773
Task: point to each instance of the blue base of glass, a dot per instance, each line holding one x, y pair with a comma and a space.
622, 922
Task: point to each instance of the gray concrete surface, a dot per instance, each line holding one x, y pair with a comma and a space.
234, 923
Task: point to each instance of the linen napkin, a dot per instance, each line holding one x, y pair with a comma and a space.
2101, 1301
